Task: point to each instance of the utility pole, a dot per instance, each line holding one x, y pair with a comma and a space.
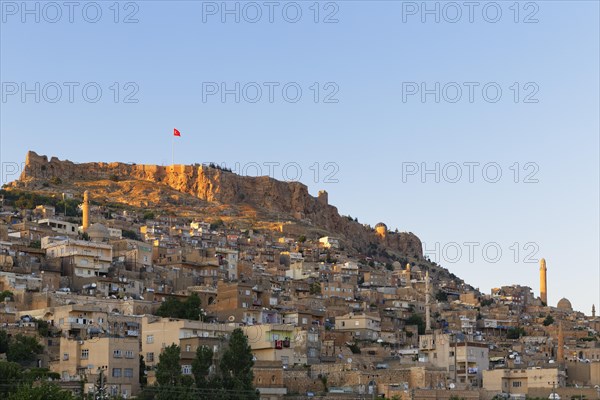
101, 392
455, 355
466, 361
553, 390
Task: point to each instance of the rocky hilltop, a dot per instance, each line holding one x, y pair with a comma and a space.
215, 185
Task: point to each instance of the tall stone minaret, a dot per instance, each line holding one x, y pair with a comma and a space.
543, 292
86, 211
427, 306
593, 311
407, 275
560, 351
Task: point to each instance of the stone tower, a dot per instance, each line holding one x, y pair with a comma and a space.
543, 292
86, 211
560, 351
381, 230
593, 311
323, 197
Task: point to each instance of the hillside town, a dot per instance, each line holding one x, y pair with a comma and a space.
95, 296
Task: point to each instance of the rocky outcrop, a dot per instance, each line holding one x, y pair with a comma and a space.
216, 185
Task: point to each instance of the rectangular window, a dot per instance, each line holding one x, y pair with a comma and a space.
516, 384
65, 356
128, 354
150, 339
128, 372
186, 369
85, 353
116, 372
117, 354
150, 357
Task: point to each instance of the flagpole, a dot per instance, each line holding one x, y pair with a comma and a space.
173, 150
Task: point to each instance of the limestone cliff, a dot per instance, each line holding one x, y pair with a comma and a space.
215, 185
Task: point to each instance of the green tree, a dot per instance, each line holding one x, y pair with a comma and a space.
172, 384
315, 288
3, 342
416, 319
168, 370
201, 366
515, 333
10, 373
23, 349
217, 224
45, 391
43, 327
148, 215
143, 377
191, 307
549, 320
175, 308
441, 296
235, 368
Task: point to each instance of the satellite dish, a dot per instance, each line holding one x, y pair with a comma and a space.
349, 361
231, 318
452, 386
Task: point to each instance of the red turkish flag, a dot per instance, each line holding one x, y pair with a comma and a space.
176, 132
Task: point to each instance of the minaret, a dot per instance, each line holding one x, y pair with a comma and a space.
543, 292
560, 352
407, 274
593, 311
86, 211
427, 307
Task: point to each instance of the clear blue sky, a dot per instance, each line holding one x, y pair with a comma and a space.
375, 131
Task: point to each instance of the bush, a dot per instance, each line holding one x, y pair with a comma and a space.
127, 234
549, 320
354, 348
217, 224
6, 294
515, 333
486, 302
